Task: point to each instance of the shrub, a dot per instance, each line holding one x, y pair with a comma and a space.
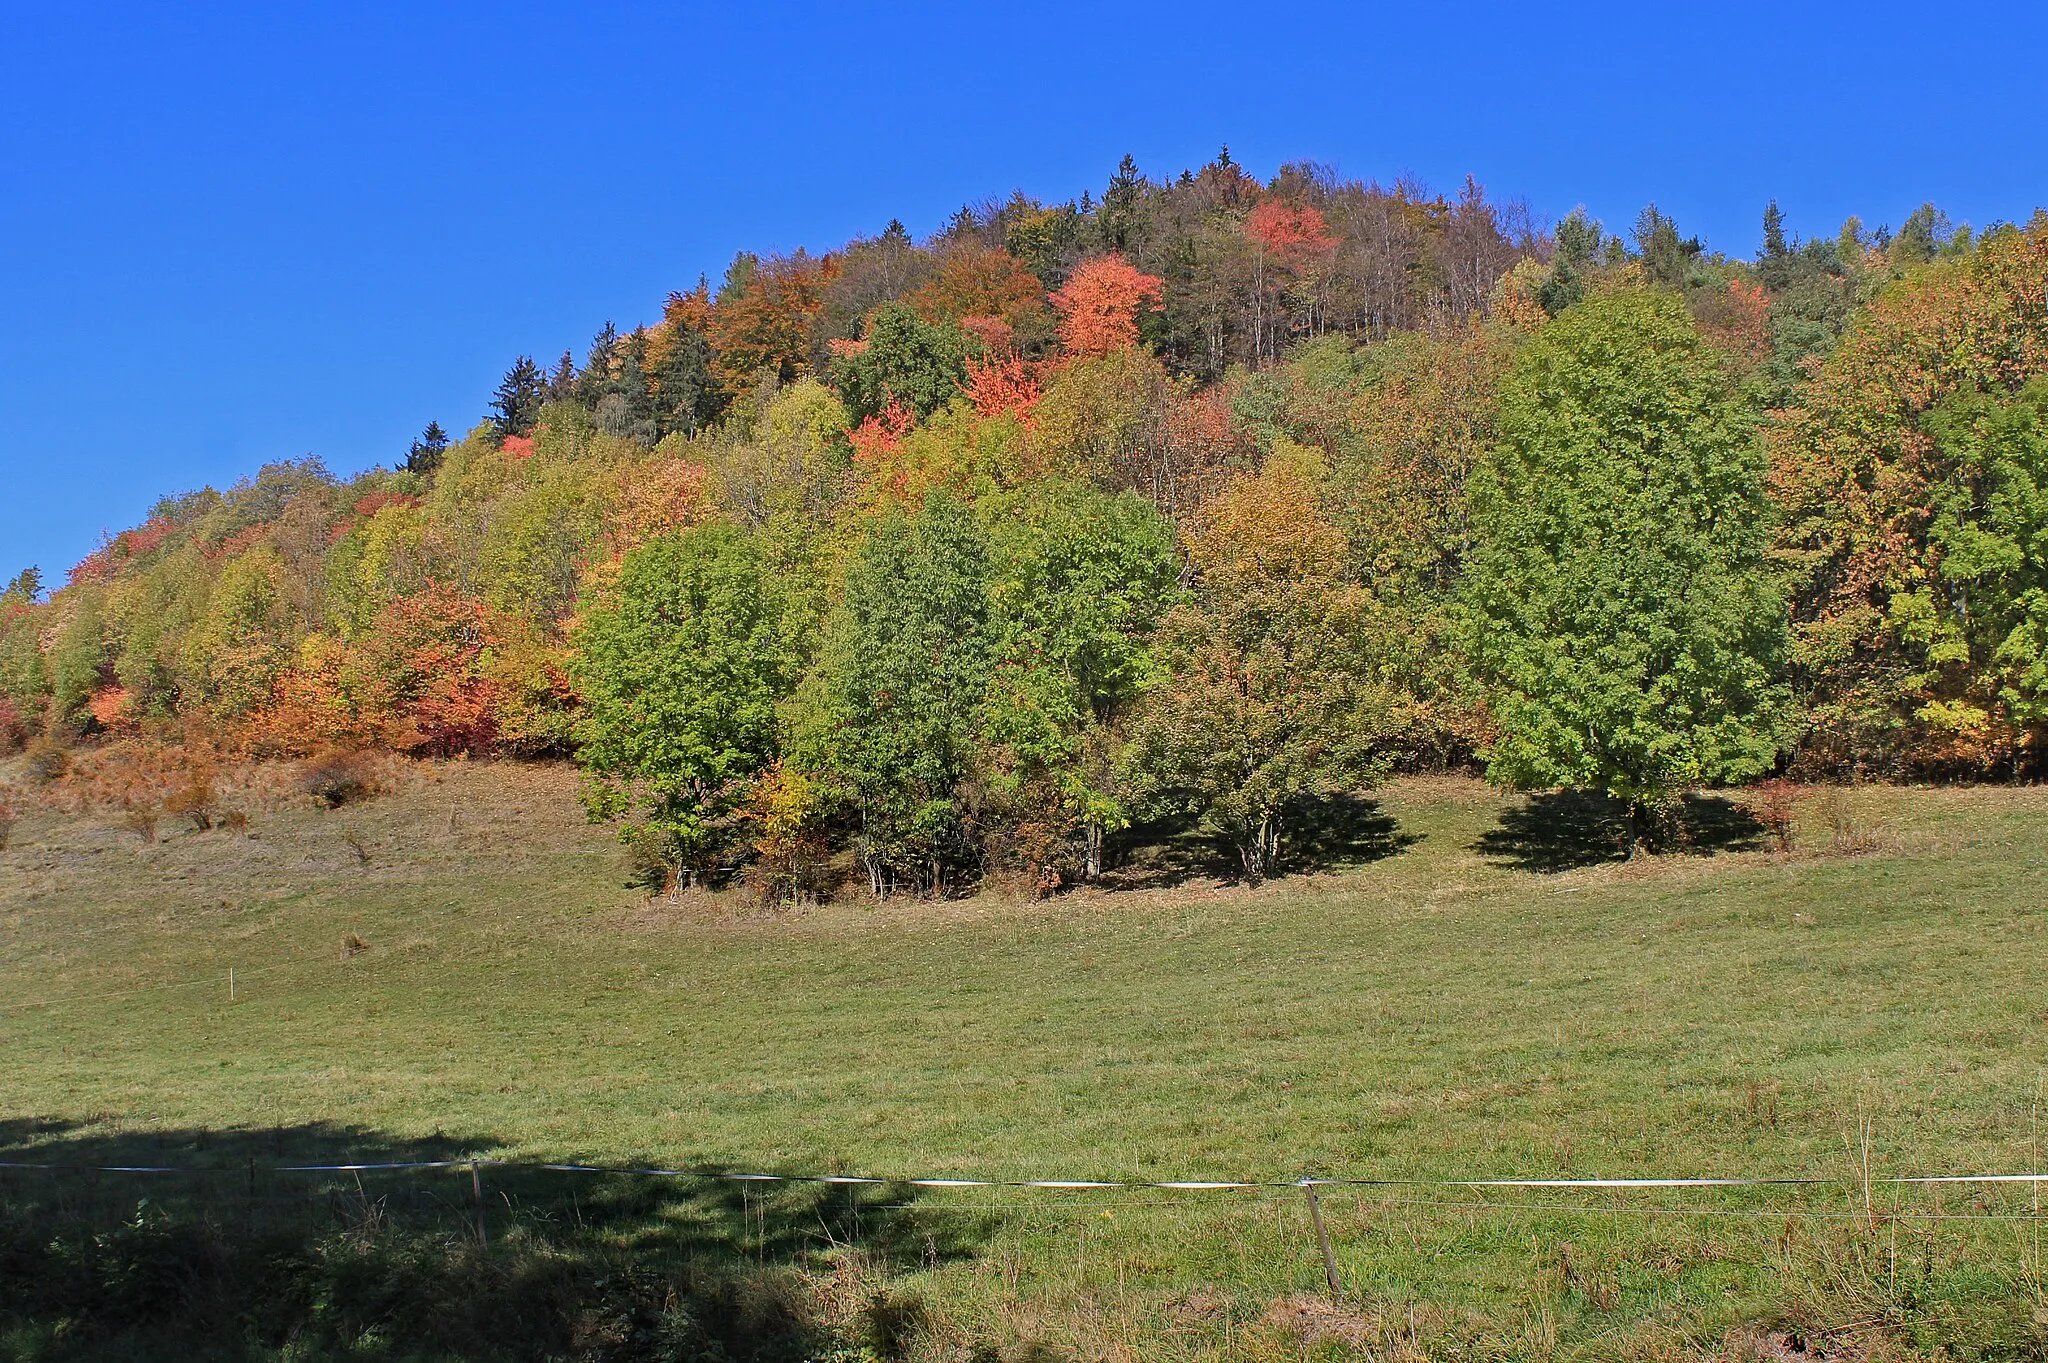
335, 779
141, 821
13, 728
1774, 803
9, 813
47, 760
194, 798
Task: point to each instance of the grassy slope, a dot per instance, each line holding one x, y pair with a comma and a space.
1436, 1013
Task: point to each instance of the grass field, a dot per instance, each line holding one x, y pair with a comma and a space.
478, 977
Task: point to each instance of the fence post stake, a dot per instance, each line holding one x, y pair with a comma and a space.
231, 984
1315, 1214
476, 1184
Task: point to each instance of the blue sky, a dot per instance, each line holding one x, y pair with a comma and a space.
256, 232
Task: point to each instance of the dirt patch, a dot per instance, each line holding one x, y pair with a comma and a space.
1756, 1344
1314, 1321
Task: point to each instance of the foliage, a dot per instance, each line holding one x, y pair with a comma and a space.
887, 719
1080, 399
1619, 609
516, 406
680, 666
1078, 581
425, 455
1905, 474
1099, 305
1269, 699
902, 359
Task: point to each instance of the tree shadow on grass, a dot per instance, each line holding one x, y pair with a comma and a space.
1321, 834
1569, 829
231, 1253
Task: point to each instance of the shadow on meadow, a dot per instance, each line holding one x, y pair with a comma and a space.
237, 1259
1569, 829
1326, 834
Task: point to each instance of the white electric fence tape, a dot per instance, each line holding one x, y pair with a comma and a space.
1058, 1183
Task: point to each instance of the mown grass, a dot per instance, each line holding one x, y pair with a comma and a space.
1441, 1011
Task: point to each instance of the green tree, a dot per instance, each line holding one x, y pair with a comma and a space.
1578, 242
598, 364
680, 667
427, 452
1924, 236
243, 642
1773, 262
1618, 608
888, 717
685, 394
1117, 218
904, 359
1976, 626
78, 656
23, 588
1667, 257
1079, 579
516, 405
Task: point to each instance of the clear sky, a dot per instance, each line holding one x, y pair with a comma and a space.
233, 234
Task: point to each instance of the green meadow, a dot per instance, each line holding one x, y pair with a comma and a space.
1476, 990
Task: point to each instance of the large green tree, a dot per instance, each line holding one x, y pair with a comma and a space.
1079, 579
1618, 607
681, 666
515, 407
888, 717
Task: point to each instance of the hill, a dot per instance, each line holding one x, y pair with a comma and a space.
1205, 499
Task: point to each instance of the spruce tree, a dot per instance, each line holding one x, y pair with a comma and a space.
1774, 263
516, 405
425, 456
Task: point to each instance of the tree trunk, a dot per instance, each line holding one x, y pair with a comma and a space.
1091, 858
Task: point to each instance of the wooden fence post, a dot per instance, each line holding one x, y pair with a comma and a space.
1315, 1214
476, 1184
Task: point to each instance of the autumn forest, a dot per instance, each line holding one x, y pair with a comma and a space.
1196, 501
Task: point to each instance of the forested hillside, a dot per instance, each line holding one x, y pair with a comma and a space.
1203, 499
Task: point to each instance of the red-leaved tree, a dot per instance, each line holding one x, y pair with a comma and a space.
1100, 303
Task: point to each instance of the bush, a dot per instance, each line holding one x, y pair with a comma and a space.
47, 760
1775, 803
9, 813
335, 779
13, 728
195, 798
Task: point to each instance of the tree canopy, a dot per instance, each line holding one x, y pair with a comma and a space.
1620, 612
1199, 499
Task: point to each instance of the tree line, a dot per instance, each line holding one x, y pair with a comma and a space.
1201, 501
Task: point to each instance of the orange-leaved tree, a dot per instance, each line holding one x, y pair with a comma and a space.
984, 282
1100, 303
